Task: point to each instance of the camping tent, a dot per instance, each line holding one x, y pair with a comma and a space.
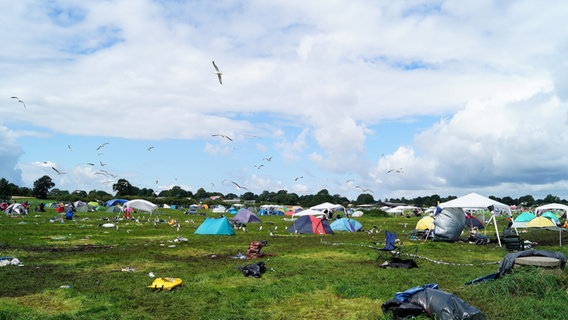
219, 226
309, 212
539, 222
245, 216
345, 224
522, 219
113, 209
473, 222
550, 207
449, 224
141, 204
549, 215
426, 223
114, 202
310, 224
475, 201
16, 208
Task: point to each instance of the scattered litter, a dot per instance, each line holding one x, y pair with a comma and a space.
151, 275
128, 269
180, 239
165, 283
10, 261
172, 246
240, 256
65, 286
253, 270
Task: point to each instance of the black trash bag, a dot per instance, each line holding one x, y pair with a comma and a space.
254, 270
445, 306
402, 310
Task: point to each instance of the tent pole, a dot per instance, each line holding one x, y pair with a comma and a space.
496, 229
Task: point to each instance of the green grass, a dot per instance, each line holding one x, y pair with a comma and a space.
308, 277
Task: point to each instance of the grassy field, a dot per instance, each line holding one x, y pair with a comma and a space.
308, 276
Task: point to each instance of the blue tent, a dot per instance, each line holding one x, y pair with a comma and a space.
219, 226
345, 224
114, 202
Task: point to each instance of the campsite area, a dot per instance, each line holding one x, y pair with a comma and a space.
79, 269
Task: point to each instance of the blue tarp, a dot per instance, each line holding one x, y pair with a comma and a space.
219, 226
114, 202
345, 224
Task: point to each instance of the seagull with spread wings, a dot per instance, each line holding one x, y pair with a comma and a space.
222, 136
58, 172
102, 145
399, 170
298, 178
20, 101
364, 189
238, 186
217, 72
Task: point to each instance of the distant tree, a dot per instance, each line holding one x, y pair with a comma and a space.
365, 198
526, 201
98, 195
551, 199
292, 199
123, 188
230, 196
7, 189
248, 196
42, 186
79, 194
58, 194
201, 194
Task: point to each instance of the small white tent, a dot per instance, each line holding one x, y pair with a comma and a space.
141, 204
308, 212
327, 205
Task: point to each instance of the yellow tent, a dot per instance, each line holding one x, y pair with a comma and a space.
540, 222
425, 223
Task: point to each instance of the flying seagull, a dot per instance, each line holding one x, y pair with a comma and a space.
298, 178
20, 101
69, 146
102, 145
267, 159
258, 166
102, 164
238, 186
399, 170
364, 189
150, 148
58, 172
222, 136
217, 72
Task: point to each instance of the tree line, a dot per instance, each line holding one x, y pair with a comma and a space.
44, 188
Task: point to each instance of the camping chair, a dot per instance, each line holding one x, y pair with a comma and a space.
390, 248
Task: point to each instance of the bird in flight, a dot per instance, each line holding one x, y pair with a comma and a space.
222, 136
150, 148
267, 159
20, 101
399, 170
102, 145
364, 189
69, 146
238, 186
298, 178
258, 166
58, 172
102, 164
217, 72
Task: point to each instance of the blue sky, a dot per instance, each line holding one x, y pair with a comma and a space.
458, 97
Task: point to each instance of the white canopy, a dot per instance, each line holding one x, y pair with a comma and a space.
141, 204
326, 205
551, 206
475, 201
308, 212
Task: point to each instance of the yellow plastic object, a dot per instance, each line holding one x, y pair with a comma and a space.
165, 283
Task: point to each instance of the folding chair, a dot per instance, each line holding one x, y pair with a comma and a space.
390, 248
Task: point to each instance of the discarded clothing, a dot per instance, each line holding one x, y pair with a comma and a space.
253, 270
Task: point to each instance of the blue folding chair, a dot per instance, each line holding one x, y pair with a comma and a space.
390, 248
